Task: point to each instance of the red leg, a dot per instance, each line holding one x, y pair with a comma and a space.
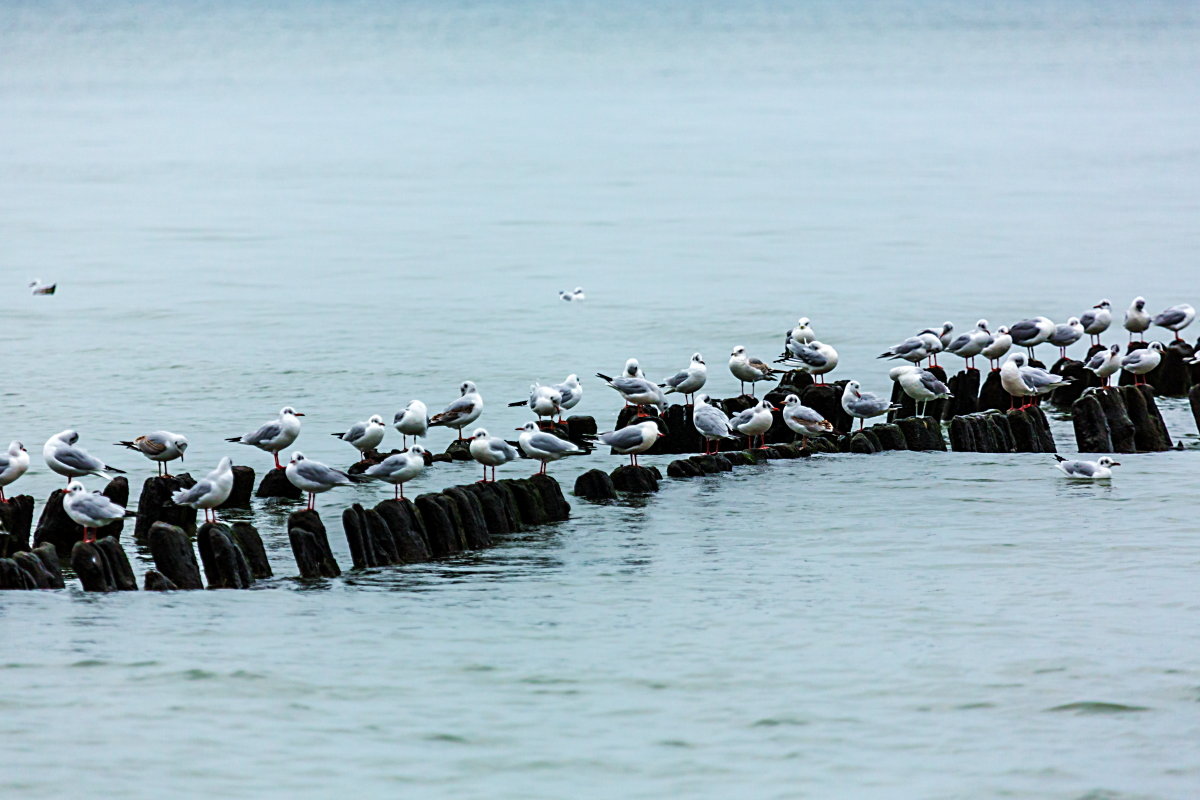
277, 464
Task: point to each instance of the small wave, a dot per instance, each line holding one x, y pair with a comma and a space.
1094, 707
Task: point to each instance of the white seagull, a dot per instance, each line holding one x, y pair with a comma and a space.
398, 469
545, 447
919, 384
491, 451
1021, 380
209, 492
970, 344
365, 436
754, 422
1176, 318
160, 447
1136, 318
1105, 363
914, 349
412, 421
66, 459
13, 465
571, 391
804, 421
687, 381
463, 411
1096, 320
711, 423
314, 477
1029, 333
544, 401
1087, 470
36, 287
632, 439
815, 358
275, 435
749, 369
1141, 361
1001, 344
864, 405
1066, 335
802, 333
90, 510
637, 391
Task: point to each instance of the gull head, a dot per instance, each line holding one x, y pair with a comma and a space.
297, 457
1103, 304
288, 411
1156, 346
479, 433
1105, 461
467, 387
1139, 303
75, 487
697, 358
982, 325
418, 449
738, 352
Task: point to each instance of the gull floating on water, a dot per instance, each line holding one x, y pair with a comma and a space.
275, 435
1066, 335
1088, 470
919, 384
1105, 363
1021, 380
632, 439
754, 422
412, 421
1176, 318
314, 477
864, 405
1096, 320
90, 510
13, 465
1001, 344
36, 287
1141, 361
747, 369
463, 411
365, 436
491, 451
398, 469
545, 447
687, 381
66, 459
804, 421
209, 492
160, 447
711, 423
1136, 318
1029, 333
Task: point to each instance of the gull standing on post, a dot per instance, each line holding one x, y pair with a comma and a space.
275, 435
314, 477
90, 510
412, 421
815, 358
463, 411
687, 381
970, 344
365, 436
711, 423
1105, 363
632, 439
1001, 344
1136, 318
1096, 320
1088, 470
13, 465
544, 401
754, 422
1176, 318
570, 392
864, 405
804, 421
66, 459
749, 369
1139, 362
915, 349
160, 447
802, 333
1066, 335
637, 391
545, 447
209, 492
398, 469
919, 384
491, 451
1021, 380
1029, 333
938, 340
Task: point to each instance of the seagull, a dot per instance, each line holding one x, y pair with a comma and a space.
490, 451
571, 391
565, 296
544, 401
13, 465
815, 358
398, 469
463, 411
970, 344
938, 340
1141, 361
633, 369
1029, 333
687, 381
90, 510
210, 492
754, 422
1096, 320
919, 384
632, 439
1176, 318
1136, 318
711, 423
802, 333
1105, 363
915, 349
314, 477
637, 391
748, 369
412, 421
1001, 343
1066, 335
365, 436
545, 447
803, 420
578, 296
66, 459
275, 435
862, 405
1087, 470
1021, 380
36, 287
160, 447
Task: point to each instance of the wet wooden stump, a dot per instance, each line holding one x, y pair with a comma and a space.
595, 484
173, 556
102, 566
310, 545
992, 396
155, 505
276, 484
471, 517
964, 386
243, 489
459, 450
14, 577
36, 568
579, 428
500, 516
441, 526
922, 433
155, 581
1149, 431
246, 537
982, 432
56, 527
225, 565
1081, 380
628, 478
16, 522
408, 530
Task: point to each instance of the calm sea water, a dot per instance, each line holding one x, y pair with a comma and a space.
343, 206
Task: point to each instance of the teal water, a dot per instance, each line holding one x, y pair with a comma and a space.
343, 206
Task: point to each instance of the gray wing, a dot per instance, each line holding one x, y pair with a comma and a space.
1087, 319
869, 403
498, 445
460, 406
910, 345
77, 459
550, 444
1025, 329
1036, 378
930, 382
1172, 316
565, 393
97, 506
676, 379
742, 417
1097, 361
264, 434
711, 422
4, 461
356, 432
1084, 469
959, 341
633, 385
189, 496
626, 437
806, 414
1134, 359
808, 355
319, 473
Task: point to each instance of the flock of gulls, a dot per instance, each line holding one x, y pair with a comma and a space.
802, 351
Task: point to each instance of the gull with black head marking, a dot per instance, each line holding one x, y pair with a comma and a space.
491, 451
1096, 320
398, 469
1100, 470
747, 369
412, 421
1020, 379
1175, 319
274, 436
1104, 364
1142, 361
63, 456
632, 440
711, 423
364, 436
91, 510
160, 447
1137, 320
314, 477
545, 447
687, 381
864, 405
209, 492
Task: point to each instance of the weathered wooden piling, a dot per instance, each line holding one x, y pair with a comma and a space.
56, 527
595, 484
1173, 375
155, 581
908, 407
243, 489
1119, 420
629, 478
964, 386
276, 484
16, 520
992, 396
1194, 402
1081, 380
246, 537
102, 566
155, 505
44, 577
310, 545
408, 530
173, 556
225, 565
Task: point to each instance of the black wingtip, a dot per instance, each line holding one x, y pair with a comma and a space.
113, 469
339, 435
1057, 457
234, 439
518, 403
603, 377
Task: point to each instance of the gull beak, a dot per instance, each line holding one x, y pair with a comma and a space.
661, 434
518, 429
1116, 464
298, 414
